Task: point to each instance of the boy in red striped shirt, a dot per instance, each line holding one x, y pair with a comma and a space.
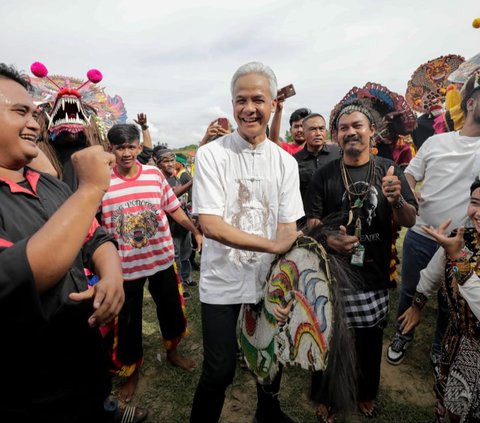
133, 210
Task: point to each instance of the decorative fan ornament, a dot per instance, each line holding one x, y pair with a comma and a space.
302, 276
392, 107
427, 87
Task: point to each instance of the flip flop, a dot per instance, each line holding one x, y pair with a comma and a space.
129, 414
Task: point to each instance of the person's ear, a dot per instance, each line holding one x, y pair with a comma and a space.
274, 104
469, 104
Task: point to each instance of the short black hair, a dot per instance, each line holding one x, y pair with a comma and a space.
122, 133
9, 72
299, 114
475, 185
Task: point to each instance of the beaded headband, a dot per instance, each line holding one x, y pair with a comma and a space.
163, 154
347, 110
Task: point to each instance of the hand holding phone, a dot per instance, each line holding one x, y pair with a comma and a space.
286, 92
223, 122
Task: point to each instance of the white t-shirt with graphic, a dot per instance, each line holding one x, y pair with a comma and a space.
252, 189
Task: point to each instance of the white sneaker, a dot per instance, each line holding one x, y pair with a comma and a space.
397, 349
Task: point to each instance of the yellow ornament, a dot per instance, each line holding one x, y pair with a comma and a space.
476, 23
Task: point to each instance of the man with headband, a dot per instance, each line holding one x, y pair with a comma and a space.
368, 193
446, 164
167, 162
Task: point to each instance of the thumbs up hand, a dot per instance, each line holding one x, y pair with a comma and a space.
391, 187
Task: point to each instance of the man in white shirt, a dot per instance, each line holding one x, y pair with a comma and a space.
446, 164
246, 194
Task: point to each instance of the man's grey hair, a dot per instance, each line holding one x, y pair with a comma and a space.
311, 116
259, 68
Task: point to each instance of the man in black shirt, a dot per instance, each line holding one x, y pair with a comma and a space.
315, 153
370, 193
53, 361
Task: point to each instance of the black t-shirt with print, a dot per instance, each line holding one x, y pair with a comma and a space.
327, 194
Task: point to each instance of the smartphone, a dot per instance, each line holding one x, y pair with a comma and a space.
285, 92
223, 122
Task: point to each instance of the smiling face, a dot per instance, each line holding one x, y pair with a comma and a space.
354, 133
18, 126
473, 210
315, 131
252, 106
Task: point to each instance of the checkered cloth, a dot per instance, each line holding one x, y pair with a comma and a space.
366, 309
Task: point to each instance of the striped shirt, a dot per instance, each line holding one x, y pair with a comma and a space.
133, 210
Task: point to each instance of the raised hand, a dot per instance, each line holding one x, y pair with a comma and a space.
141, 119
391, 186
452, 245
93, 166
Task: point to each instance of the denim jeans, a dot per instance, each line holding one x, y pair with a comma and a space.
183, 250
417, 253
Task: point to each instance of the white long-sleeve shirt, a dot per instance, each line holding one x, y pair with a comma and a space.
432, 277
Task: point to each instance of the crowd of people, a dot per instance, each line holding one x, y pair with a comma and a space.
128, 212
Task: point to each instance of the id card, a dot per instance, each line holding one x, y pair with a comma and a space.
358, 257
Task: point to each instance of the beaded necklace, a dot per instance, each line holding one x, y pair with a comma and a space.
356, 199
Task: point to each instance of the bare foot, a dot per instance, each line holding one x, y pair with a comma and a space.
177, 360
131, 414
367, 408
127, 390
324, 414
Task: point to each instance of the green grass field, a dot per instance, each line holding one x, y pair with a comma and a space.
406, 394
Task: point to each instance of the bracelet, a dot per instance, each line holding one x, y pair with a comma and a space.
399, 204
419, 300
144, 127
465, 256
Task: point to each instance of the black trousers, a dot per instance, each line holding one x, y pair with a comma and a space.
219, 363
368, 344
368, 348
164, 288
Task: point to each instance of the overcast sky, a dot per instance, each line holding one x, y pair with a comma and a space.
174, 60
